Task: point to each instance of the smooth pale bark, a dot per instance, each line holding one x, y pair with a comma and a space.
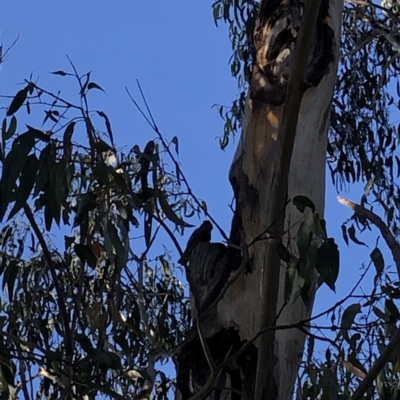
253, 167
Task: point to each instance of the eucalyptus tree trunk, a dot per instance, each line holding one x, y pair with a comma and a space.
237, 293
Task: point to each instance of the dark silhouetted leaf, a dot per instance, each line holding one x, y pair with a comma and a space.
13, 165
307, 229
349, 315
327, 263
148, 221
352, 235
38, 134
101, 146
93, 85
85, 253
108, 359
378, 260
344, 234
168, 211
5, 234
175, 141
11, 128
68, 241
61, 73
85, 343
301, 202
17, 101
379, 313
9, 277
52, 209
283, 252
67, 140
116, 241
26, 182
108, 126
393, 310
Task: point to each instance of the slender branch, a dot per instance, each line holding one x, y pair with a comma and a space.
395, 250
69, 344
377, 367
377, 221
3, 56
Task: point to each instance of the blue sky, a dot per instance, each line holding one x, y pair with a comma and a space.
181, 60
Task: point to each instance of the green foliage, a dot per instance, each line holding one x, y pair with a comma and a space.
97, 315
318, 255
363, 135
240, 15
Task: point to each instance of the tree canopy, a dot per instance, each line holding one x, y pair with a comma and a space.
98, 316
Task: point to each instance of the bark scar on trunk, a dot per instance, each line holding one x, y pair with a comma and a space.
274, 40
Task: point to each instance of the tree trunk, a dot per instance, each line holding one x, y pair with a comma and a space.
228, 298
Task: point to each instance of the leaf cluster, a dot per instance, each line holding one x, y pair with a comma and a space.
93, 313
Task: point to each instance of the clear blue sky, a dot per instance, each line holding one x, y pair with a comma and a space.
181, 60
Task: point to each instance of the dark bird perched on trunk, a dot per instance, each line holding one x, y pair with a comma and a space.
200, 235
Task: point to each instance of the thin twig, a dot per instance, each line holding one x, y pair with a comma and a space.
154, 126
3, 56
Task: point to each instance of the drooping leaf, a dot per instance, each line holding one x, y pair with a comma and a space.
26, 182
5, 234
45, 161
302, 202
148, 221
13, 165
102, 174
101, 146
378, 260
116, 241
52, 209
352, 235
379, 313
307, 229
68, 241
18, 101
87, 203
9, 277
349, 315
67, 140
93, 85
85, 253
8, 373
168, 211
283, 252
175, 141
109, 359
344, 234
327, 263
58, 180
393, 310
38, 134
85, 343
11, 128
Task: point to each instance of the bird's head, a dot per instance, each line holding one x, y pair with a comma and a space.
206, 226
